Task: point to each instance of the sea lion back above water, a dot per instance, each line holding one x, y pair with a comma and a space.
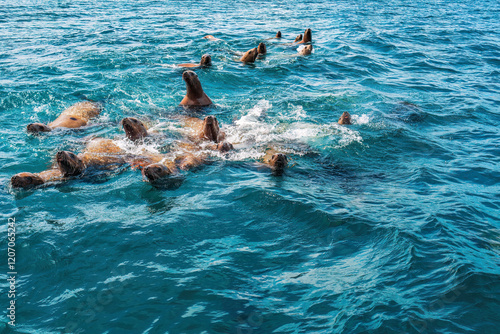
78, 115
195, 96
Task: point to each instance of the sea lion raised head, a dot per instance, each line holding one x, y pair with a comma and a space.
38, 127
261, 49
210, 129
278, 34
154, 172
195, 96
134, 129
298, 38
69, 163
345, 118
250, 56
307, 36
26, 180
278, 162
206, 60
306, 50
224, 147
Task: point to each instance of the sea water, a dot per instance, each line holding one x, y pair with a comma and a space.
388, 225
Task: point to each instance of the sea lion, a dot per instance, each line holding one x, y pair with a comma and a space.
307, 37
306, 50
250, 56
76, 116
261, 49
298, 38
345, 118
135, 130
277, 161
278, 34
206, 60
203, 129
195, 96
212, 38
30, 180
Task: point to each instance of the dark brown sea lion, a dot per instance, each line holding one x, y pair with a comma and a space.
250, 56
298, 38
278, 34
307, 37
306, 50
210, 130
195, 96
345, 118
76, 116
134, 129
261, 49
206, 60
277, 161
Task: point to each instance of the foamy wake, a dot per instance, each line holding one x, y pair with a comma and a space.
255, 131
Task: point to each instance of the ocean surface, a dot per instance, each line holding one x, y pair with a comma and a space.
389, 225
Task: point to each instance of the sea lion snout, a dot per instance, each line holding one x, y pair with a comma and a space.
345, 118
38, 127
154, 172
225, 147
206, 60
69, 163
278, 161
25, 180
261, 48
134, 129
189, 75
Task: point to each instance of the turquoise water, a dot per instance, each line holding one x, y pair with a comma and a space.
390, 225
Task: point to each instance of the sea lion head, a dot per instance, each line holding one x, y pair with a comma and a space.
134, 129
210, 129
69, 163
38, 127
278, 162
298, 38
306, 50
154, 172
250, 56
261, 48
278, 34
224, 147
345, 118
307, 36
193, 84
206, 60
26, 180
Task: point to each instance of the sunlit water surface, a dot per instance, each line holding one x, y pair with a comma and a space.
390, 225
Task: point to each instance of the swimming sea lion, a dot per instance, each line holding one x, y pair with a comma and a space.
250, 56
206, 60
298, 38
307, 37
306, 50
278, 34
195, 96
75, 116
212, 38
261, 49
134, 129
345, 118
30, 180
277, 161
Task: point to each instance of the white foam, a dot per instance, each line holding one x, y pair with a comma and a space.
360, 119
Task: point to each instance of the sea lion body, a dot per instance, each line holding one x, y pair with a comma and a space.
30, 180
195, 96
298, 38
76, 116
206, 60
250, 56
212, 38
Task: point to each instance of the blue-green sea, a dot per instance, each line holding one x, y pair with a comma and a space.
388, 225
